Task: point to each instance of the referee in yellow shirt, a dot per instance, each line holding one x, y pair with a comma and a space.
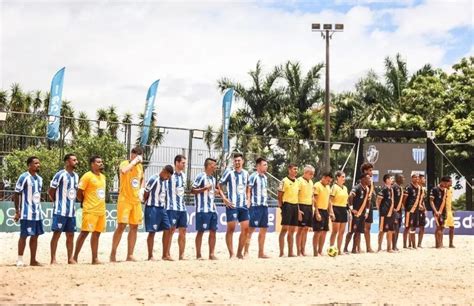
91, 194
288, 203
322, 212
338, 199
305, 203
129, 208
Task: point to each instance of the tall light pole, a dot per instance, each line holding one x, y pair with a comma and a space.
326, 33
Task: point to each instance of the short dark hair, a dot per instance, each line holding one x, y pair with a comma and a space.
363, 175
93, 158
237, 154
260, 160
208, 161
31, 159
169, 169
421, 175
68, 156
137, 150
386, 177
415, 174
327, 174
292, 165
179, 158
339, 173
398, 177
446, 179
366, 166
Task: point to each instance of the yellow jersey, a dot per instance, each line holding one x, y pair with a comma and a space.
130, 184
290, 190
322, 201
93, 187
305, 193
339, 195
449, 200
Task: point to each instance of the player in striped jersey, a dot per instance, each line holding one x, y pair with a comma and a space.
62, 192
156, 217
27, 199
176, 208
258, 210
204, 189
236, 203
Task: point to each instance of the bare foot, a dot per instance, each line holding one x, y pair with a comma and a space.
182, 258
167, 258
199, 257
320, 254
240, 256
96, 262
213, 257
231, 256
131, 258
370, 251
53, 262
35, 263
291, 255
263, 256
113, 258
151, 258
72, 261
389, 251
282, 254
452, 246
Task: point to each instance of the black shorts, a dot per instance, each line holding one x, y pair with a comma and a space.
411, 220
289, 214
357, 224
386, 224
323, 225
421, 218
397, 220
439, 221
370, 218
340, 213
307, 215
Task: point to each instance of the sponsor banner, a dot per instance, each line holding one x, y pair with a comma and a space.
7, 213
463, 223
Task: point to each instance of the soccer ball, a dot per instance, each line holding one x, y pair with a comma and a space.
332, 251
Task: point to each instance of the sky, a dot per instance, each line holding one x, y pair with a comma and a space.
114, 50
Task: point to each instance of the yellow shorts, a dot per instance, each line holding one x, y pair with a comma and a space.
449, 219
93, 223
129, 213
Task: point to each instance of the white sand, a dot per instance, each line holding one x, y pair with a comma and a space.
423, 276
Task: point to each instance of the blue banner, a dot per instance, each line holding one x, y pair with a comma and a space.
55, 101
149, 107
226, 106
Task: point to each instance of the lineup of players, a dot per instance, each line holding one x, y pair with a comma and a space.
304, 206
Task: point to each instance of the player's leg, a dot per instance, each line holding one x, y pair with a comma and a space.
304, 237
367, 237
212, 244
181, 242
198, 243
262, 232
116, 240
132, 240
54, 245
95, 248
249, 239
21, 250
281, 239
150, 242
244, 232
33, 248
316, 242
70, 246
322, 239
79, 242
298, 240
389, 241
381, 226
451, 237
340, 236
334, 232
291, 239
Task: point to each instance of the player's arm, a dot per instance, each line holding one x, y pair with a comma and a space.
133, 163
433, 206
80, 195
316, 211
195, 189
16, 200
331, 211
52, 194
378, 201
350, 200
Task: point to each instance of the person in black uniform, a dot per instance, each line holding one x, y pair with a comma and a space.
438, 204
421, 209
411, 199
358, 204
385, 205
397, 211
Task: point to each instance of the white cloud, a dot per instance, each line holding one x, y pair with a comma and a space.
114, 51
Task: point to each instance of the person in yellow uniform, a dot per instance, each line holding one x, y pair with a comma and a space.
322, 212
129, 208
91, 194
449, 213
288, 203
338, 199
305, 206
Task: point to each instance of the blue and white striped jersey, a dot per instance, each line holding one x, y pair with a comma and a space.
258, 187
157, 189
175, 199
205, 200
236, 183
29, 186
65, 184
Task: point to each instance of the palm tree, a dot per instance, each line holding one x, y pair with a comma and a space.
68, 121
112, 118
83, 124
102, 115
209, 137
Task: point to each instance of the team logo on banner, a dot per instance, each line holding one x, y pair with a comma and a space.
372, 154
418, 155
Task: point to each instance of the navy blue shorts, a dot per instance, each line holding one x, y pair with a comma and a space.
31, 228
63, 224
258, 216
237, 214
156, 219
206, 221
178, 219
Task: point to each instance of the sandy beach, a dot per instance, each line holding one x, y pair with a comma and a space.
423, 276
